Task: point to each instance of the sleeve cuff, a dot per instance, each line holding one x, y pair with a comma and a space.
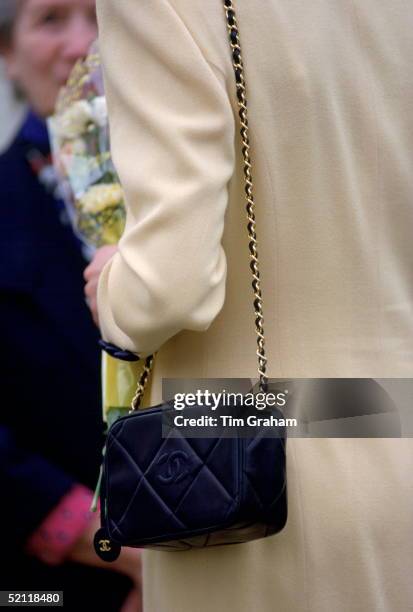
63, 526
118, 353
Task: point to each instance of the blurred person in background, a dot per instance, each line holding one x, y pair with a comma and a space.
50, 432
11, 110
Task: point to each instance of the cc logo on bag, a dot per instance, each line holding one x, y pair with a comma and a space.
175, 467
104, 545
105, 548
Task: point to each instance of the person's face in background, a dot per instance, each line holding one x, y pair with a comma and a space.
49, 36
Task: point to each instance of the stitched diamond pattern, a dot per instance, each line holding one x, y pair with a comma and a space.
162, 485
175, 488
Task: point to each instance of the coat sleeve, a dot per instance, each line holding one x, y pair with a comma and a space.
172, 135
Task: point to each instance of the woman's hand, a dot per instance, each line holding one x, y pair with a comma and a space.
91, 276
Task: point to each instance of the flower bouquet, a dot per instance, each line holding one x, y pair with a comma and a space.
90, 187
79, 135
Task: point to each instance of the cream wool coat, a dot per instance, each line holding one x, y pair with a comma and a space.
330, 85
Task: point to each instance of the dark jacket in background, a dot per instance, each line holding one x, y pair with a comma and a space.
50, 412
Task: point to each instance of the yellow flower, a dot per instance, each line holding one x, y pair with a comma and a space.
99, 197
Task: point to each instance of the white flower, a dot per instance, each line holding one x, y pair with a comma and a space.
72, 123
99, 197
100, 111
79, 147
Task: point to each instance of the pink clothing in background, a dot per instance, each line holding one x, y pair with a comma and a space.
63, 526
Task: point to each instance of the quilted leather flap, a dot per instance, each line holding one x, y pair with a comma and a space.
154, 483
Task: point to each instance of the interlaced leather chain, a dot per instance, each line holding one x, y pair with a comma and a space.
142, 383
238, 66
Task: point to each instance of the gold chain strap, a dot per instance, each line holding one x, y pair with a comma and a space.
142, 383
250, 208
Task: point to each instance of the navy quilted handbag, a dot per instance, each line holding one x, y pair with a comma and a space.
177, 493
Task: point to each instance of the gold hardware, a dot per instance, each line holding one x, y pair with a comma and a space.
104, 545
238, 66
143, 381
